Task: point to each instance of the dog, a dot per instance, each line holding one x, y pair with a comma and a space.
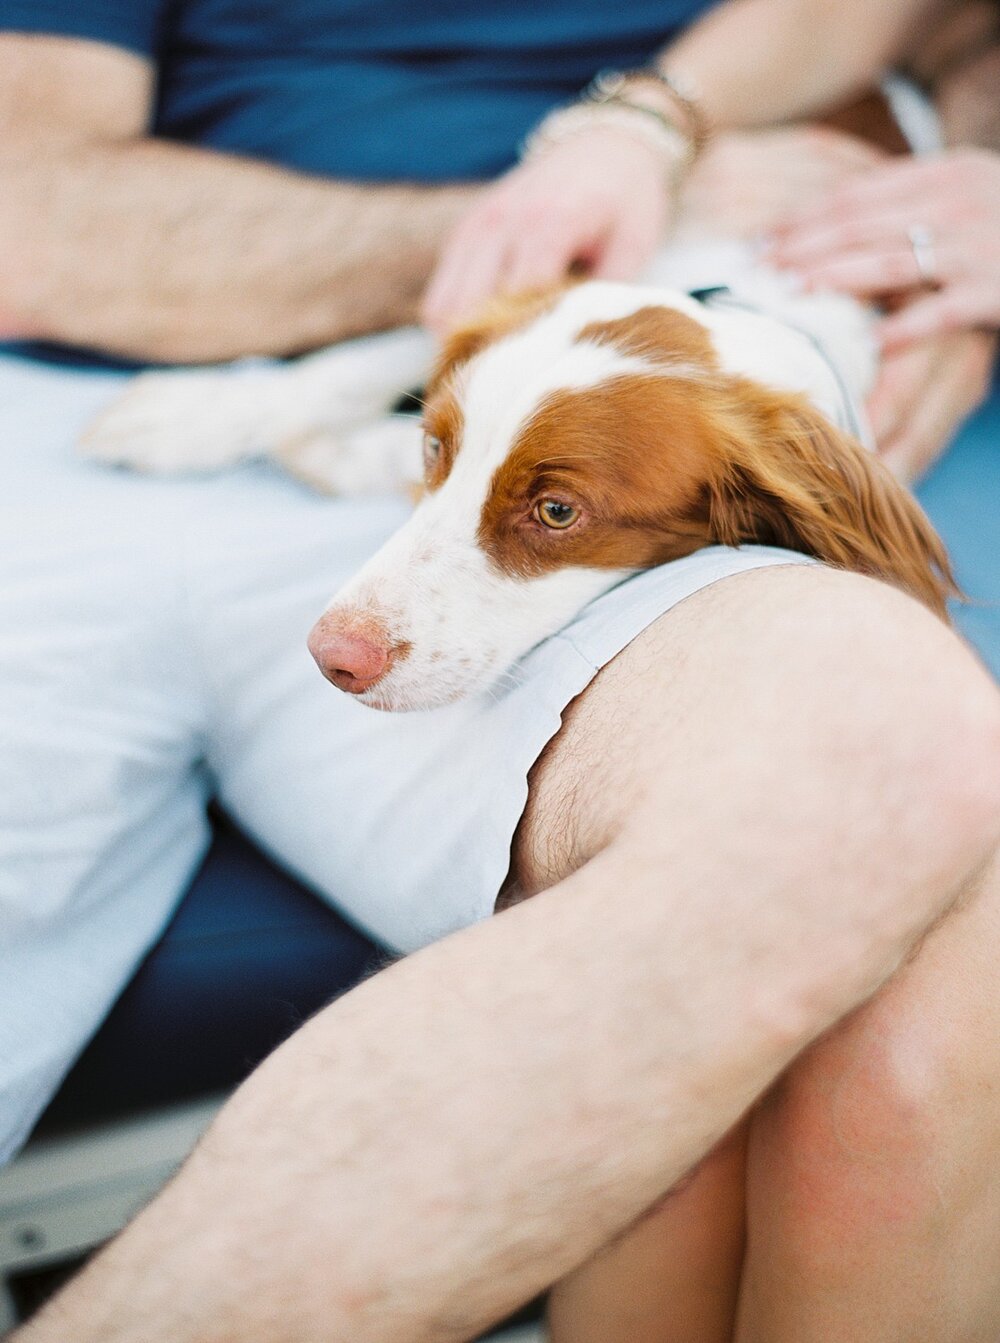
569, 439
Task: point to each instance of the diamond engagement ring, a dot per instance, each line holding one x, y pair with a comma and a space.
922, 245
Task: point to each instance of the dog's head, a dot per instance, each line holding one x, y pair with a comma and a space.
573, 439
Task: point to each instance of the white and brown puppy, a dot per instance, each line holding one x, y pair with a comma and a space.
569, 440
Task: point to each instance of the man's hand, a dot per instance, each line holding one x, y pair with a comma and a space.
745, 182
967, 103
600, 199
924, 393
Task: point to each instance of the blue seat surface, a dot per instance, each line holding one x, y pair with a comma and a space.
962, 496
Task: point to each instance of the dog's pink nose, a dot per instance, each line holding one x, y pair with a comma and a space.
352, 661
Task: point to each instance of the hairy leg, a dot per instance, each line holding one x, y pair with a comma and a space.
673, 1277
480, 1119
873, 1183
874, 1193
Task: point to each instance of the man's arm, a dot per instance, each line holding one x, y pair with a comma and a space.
113, 239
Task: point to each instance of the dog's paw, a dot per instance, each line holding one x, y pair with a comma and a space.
379, 458
183, 420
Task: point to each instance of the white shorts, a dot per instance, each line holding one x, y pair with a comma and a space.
152, 653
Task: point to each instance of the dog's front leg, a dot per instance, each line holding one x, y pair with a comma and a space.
379, 458
190, 419
309, 414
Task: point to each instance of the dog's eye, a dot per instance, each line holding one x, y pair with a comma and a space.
554, 513
432, 451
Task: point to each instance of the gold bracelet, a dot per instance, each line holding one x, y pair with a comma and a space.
685, 95
614, 86
642, 122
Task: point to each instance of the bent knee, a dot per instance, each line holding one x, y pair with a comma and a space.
876, 1132
843, 682
940, 711
882, 691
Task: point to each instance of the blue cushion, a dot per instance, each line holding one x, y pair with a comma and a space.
248, 957
962, 496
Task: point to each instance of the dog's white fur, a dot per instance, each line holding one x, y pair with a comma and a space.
431, 588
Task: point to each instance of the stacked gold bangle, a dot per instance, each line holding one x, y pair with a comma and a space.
607, 101
614, 85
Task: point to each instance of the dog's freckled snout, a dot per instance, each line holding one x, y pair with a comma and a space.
353, 658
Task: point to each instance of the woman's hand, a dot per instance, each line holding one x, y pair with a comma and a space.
861, 239
923, 394
601, 198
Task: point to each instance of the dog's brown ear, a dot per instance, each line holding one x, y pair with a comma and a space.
792, 479
498, 318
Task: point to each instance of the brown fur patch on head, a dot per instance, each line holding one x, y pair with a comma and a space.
661, 465
657, 333
500, 317
631, 452
444, 420
443, 417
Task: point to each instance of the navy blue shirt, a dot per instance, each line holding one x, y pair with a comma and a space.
420, 90
368, 90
